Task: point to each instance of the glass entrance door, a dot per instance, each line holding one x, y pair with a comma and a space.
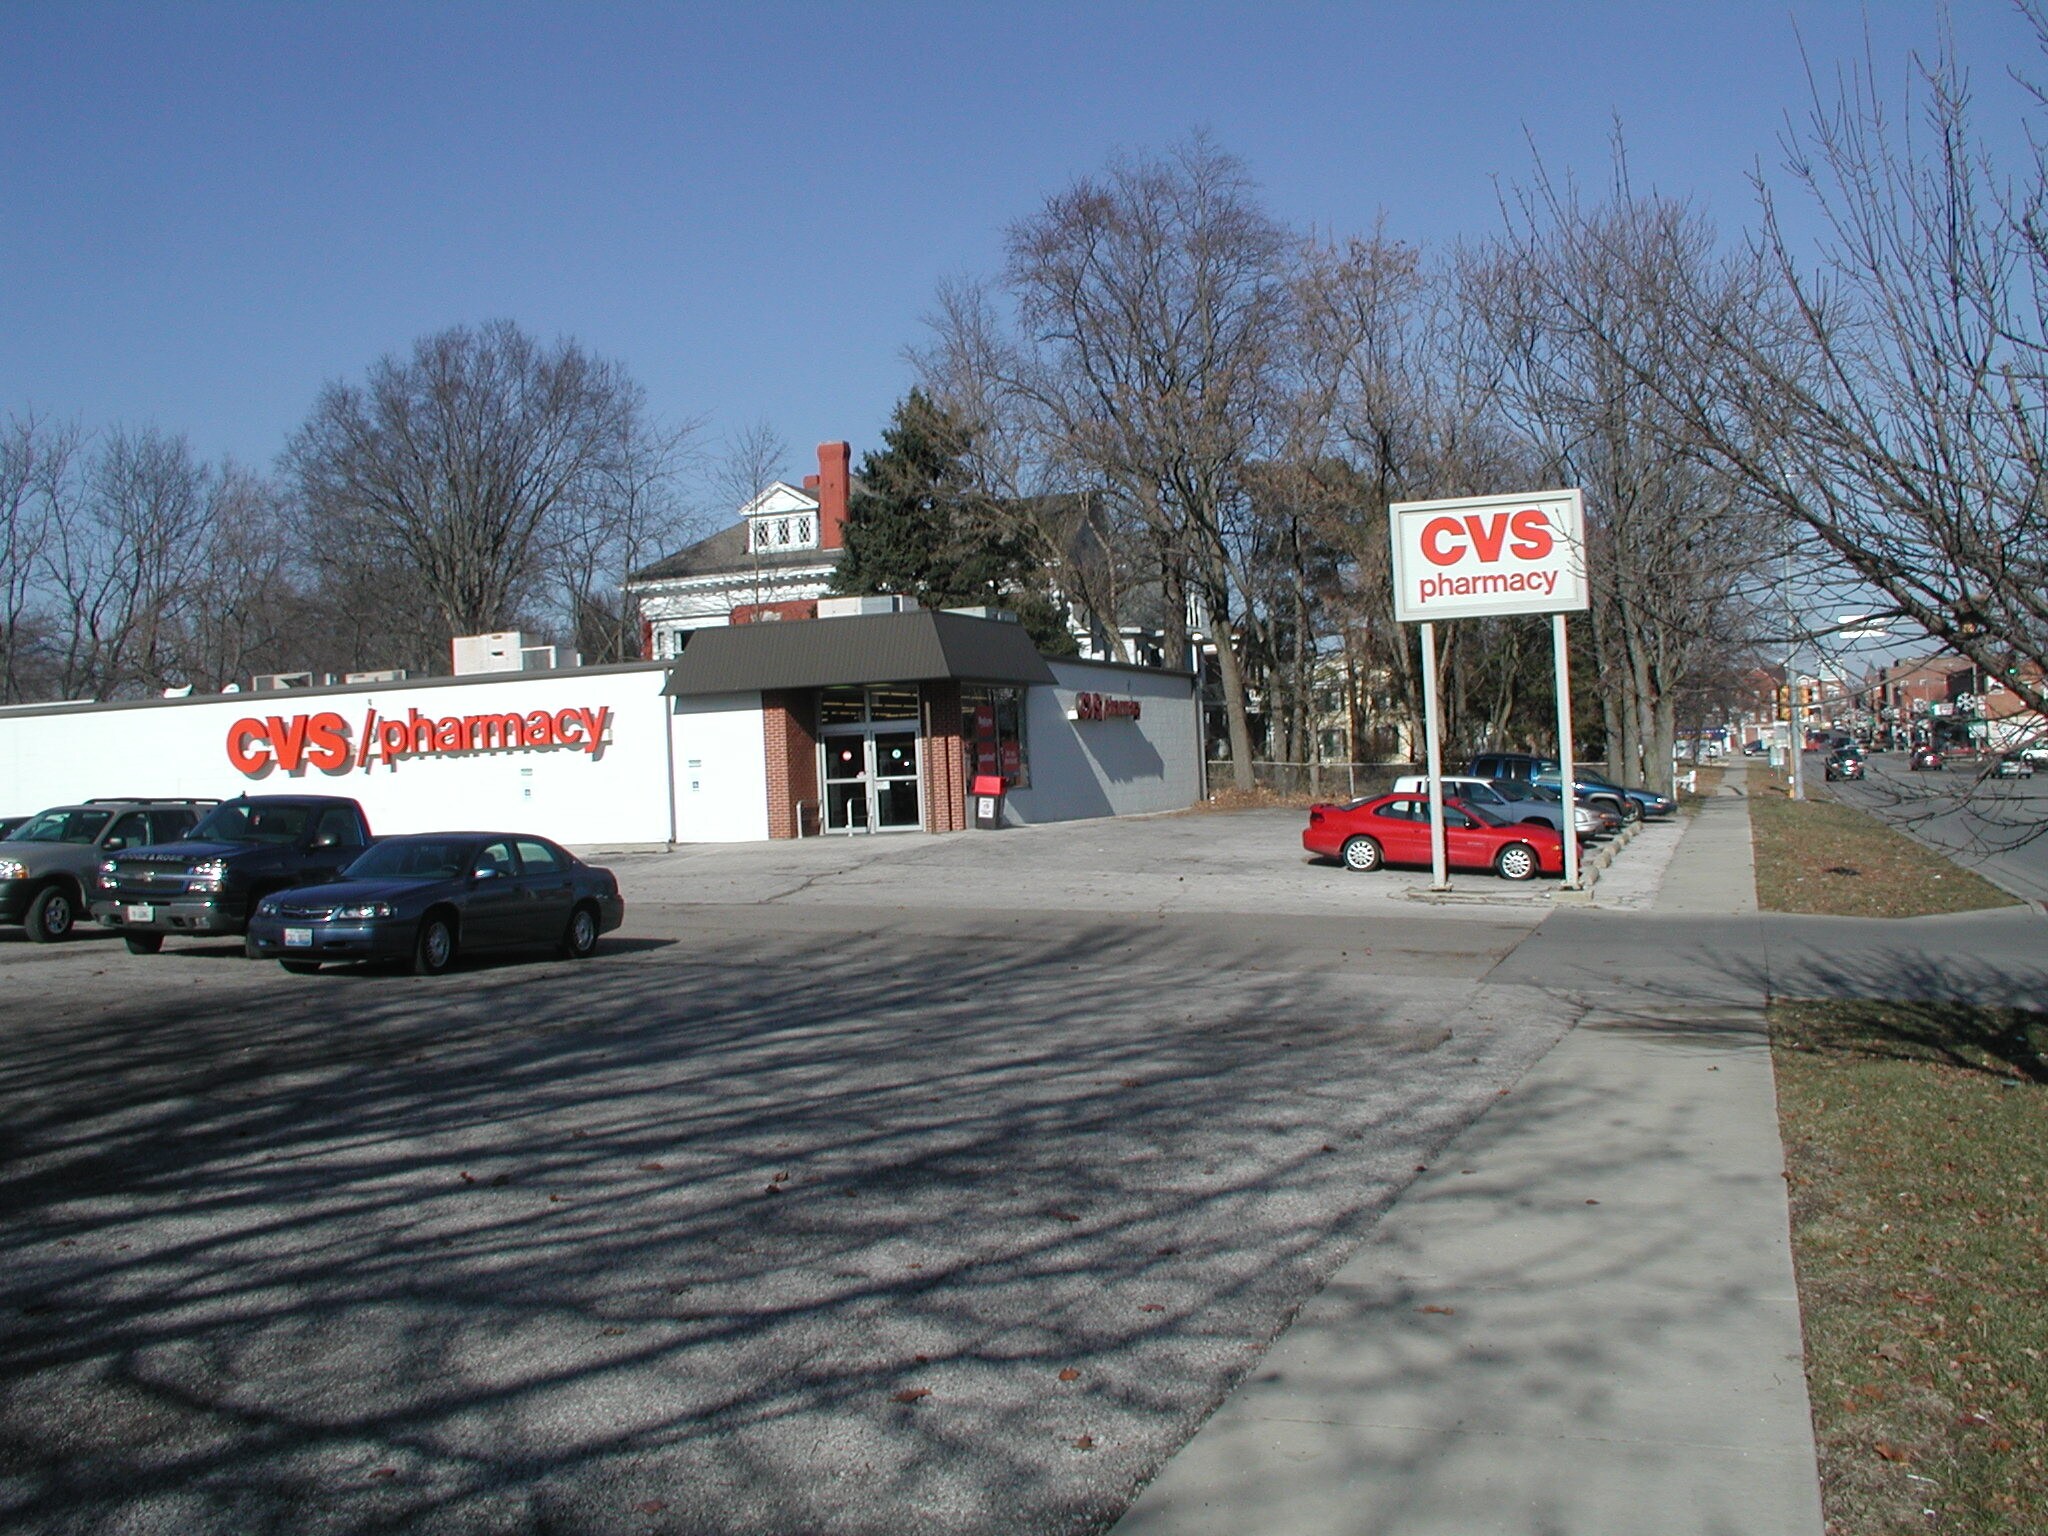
846, 784
871, 781
895, 780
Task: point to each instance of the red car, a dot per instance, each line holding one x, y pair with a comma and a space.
1394, 829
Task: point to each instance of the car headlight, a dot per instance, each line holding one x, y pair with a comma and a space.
267, 907
363, 909
207, 874
13, 869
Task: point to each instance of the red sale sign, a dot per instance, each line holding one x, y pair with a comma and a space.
1489, 555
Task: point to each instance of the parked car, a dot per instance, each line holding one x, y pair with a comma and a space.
1924, 760
1394, 829
1756, 749
426, 897
8, 824
207, 883
1527, 767
2013, 765
1842, 765
1648, 802
2036, 751
1509, 800
47, 864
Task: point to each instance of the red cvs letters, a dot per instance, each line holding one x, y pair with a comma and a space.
1448, 540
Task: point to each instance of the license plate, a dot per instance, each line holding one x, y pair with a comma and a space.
141, 914
298, 938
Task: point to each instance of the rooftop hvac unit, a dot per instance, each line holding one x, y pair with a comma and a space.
387, 675
498, 651
272, 682
536, 658
853, 607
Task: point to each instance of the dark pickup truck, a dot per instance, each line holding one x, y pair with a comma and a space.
207, 883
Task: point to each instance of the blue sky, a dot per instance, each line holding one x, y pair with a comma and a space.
206, 211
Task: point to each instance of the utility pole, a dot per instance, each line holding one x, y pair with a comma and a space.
1795, 742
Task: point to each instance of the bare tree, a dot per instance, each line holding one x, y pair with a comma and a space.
1577, 303
642, 514
127, 540
1889, 395
468, 463
1151, 309
37, 465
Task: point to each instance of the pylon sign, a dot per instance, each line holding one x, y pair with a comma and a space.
1475, 557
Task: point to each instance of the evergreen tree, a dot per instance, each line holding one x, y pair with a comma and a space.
917, 525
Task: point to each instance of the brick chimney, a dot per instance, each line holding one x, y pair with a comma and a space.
834, 467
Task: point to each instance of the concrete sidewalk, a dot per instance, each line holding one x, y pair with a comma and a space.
1581, 1319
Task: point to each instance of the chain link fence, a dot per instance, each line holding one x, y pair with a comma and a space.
1310, 781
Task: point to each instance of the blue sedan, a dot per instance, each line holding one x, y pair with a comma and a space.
426, 897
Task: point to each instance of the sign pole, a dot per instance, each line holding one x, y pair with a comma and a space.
1439, 874
1567, 770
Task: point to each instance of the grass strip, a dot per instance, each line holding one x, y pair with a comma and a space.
1913, 1137
1819, 856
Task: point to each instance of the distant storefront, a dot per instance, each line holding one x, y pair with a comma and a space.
875, 723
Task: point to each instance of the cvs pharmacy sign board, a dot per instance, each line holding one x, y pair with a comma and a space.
1479, 556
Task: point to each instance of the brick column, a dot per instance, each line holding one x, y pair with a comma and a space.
791, 742
944, 767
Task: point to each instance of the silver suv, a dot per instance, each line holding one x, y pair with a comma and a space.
47, 863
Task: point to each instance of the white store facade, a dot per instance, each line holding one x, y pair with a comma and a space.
868, 724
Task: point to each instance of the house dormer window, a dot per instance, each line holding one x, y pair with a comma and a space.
797, 530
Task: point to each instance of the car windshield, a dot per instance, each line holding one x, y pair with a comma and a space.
243, 821
415, 858
1511, 789
63, 827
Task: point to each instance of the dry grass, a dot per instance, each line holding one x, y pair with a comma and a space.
1913, 1137
1819, 856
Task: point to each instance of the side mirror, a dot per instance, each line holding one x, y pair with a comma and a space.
484, 872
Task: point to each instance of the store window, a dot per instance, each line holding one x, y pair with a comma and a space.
882, 704
992, 729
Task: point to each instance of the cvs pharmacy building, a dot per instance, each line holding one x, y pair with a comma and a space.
868, 724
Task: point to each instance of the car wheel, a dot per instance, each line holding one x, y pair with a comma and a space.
52, 915
1361, 854
1517, 861
436, 947
300, 967
143, 943
579, 939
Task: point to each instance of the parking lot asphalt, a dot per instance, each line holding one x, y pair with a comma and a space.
944, 1185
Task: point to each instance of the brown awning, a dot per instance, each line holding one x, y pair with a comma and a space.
864, 648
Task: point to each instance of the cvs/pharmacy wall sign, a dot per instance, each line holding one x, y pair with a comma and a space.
1484, 555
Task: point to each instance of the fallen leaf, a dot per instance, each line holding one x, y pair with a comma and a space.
1892, 1452
912, 1394
1085, 1443
469, 1178
780, 1178
772, 1189
1069, 1374
1894, 1352
1164, 1253
1442, 1311
1152, 1306
1134, 1082
557, 1199
385, 1472
613, 1333
1328, 1148
650, 1506
650, 1168
1592, 1202
1059, 1215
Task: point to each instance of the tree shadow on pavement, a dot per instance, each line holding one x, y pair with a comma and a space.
806, 1234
